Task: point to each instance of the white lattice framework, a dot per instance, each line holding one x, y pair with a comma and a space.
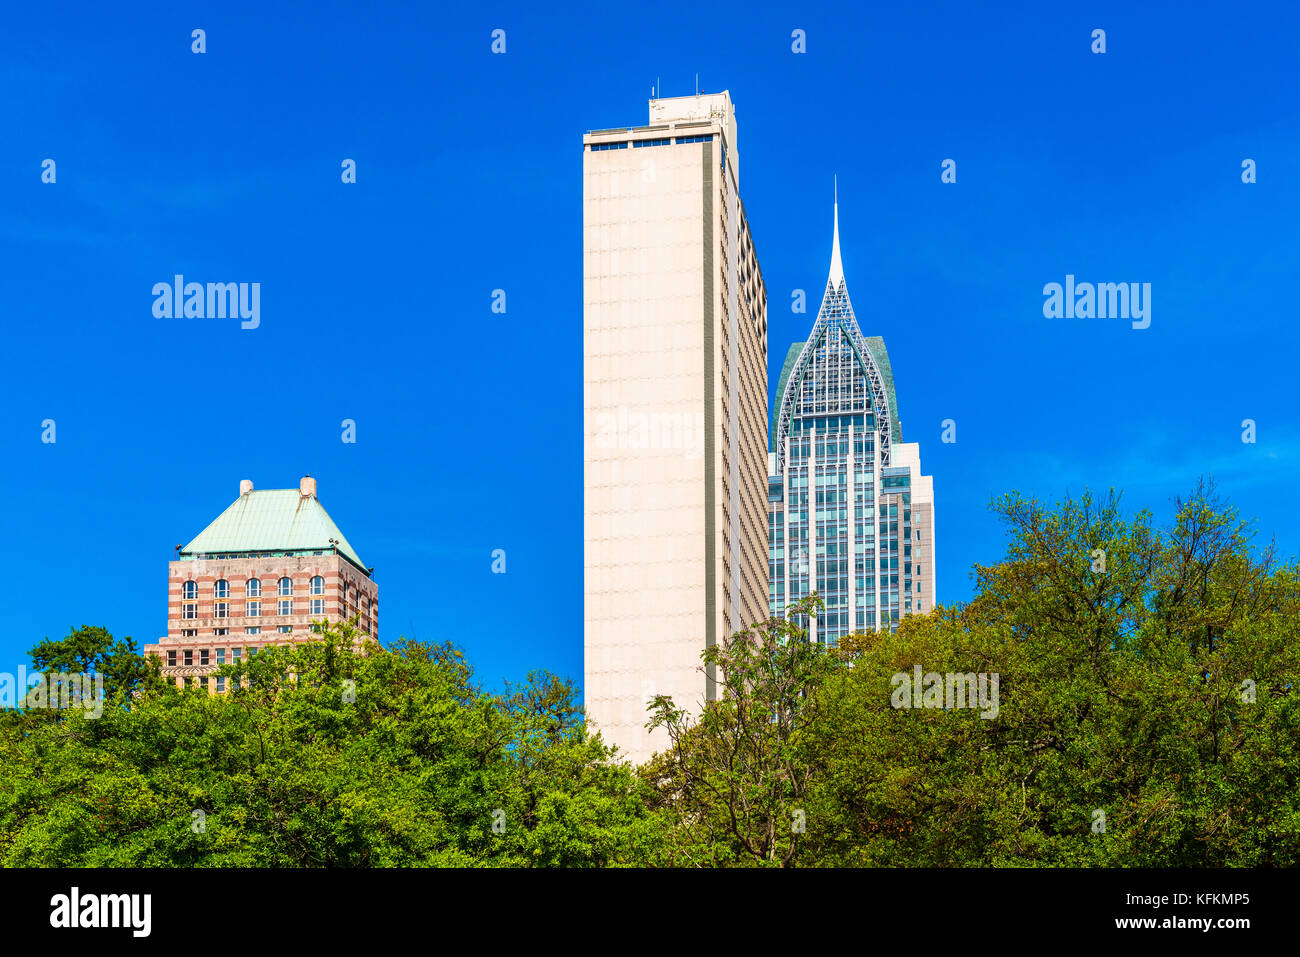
835, 317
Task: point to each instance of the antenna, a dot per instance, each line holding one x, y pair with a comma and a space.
697, 84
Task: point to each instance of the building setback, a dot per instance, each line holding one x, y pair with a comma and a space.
851, 517
674, 413
262, 573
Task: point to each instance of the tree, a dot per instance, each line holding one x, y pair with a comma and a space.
736, 781
321, 755
92, 648
1148, 710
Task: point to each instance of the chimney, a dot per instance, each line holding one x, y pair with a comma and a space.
245, 486
307, 486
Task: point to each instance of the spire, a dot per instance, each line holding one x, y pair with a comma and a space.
837, 268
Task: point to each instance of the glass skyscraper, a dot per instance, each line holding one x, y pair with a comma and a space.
850, 516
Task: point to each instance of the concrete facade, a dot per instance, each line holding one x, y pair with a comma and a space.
923, 599
674, 410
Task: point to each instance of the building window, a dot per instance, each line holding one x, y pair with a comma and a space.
203, 656
203, 682
221, 588
221, 609
284, 629
252, 609
285, 607
189, 682
234, 656
286, 586
250, 650
255, 630
317, 585
190, 591
254, 588
189, 632
171, 659
189, 610
221, 685
220, 631
221, 656
189, 656
318, 606
598, 147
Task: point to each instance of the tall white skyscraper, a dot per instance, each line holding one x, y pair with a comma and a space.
675, 413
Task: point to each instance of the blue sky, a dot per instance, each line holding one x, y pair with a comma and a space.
376, 296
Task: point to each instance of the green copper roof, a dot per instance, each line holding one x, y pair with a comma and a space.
877, 347
790, 357
274, 520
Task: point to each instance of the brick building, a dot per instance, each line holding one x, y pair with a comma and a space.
269, 567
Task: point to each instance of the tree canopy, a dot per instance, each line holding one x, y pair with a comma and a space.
1147, 715
1144, 711
320, 755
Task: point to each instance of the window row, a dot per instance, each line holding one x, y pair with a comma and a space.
216, 656
205, 656
661, 141
252, 608
218, 680
252, 588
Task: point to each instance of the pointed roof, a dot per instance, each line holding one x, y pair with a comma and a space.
836, 318
837, 267
272, 520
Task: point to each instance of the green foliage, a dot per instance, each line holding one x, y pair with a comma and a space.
1124, 692
91, 648
1147, 677
288, 770
736, 782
